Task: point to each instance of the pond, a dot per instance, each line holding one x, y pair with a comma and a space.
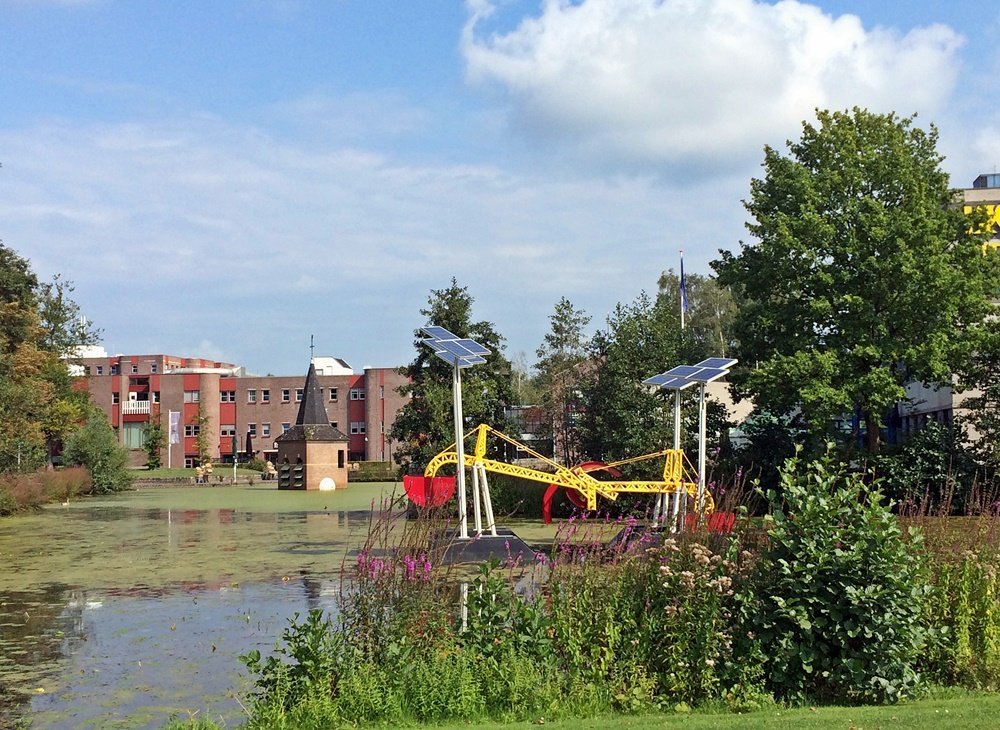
128, 610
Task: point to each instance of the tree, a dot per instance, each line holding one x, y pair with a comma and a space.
561, 364
864, 275
983, 402
709, 319
621, 417
39, 327
155, 440
95, 447
203, 441
425, 425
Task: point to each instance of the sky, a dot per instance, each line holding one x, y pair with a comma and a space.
226, 179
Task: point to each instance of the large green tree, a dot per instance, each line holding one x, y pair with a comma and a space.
425, 425
864, 274
40, 331
621, 417
561, 368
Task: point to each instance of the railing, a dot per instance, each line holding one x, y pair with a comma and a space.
132, 407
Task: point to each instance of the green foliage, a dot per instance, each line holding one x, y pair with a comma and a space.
425, 424
983, 403
155, 440
963, 619
708, 324
934, 471
561, 363
838, 599
621, 418
39, 326
204, 441
864, 274
95, 447
372, 471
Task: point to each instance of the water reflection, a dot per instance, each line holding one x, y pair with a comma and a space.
131, 614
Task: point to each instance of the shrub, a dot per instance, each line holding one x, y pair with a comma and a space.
372, 471
839, 595
94, 446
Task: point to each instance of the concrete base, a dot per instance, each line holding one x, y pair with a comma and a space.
505, 547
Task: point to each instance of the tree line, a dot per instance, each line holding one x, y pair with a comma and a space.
863, 274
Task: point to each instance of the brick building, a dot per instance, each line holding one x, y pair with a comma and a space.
133, 389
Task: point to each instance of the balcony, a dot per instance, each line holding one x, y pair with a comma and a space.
135, 407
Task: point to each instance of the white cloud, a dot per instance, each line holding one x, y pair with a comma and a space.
192, 228
699, 83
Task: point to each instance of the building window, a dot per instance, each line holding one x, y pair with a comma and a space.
152, 367
192, 429
192, 396
265, 430
189, 462
251, 429
100, 370
335, 424
115, 397
156, 396
285, 427
227, 431
252, 395
357, 427
285, 395
135, 368
265, 396
333, 395
227, 396
113, 370
357, 393
298, 395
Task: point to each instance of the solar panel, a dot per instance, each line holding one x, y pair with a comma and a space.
707, 375
438, 333
668, 382
683, 371
462, 362
474, 347
717, 363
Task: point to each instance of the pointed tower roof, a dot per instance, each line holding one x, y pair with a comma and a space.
312, 422
311, 409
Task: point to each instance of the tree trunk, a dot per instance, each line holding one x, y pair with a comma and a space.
872, 433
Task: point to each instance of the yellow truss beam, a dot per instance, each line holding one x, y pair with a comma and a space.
674, 478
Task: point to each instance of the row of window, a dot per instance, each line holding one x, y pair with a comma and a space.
115, 369
229, 396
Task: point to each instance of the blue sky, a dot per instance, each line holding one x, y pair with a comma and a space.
224, 179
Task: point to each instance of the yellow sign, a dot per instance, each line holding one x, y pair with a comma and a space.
992, 223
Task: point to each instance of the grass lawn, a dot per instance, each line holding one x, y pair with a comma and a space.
165, 473
970, 710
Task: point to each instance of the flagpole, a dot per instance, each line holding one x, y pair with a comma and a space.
683, 291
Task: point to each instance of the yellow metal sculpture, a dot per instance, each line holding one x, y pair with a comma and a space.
676, 478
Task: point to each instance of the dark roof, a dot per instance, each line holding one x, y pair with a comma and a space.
311, 409
312, 423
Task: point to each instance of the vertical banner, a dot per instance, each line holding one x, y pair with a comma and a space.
175, 422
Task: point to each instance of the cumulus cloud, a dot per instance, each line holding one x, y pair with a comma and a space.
698, 82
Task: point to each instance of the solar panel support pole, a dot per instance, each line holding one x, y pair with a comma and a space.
680, 496
456, 387
702, 417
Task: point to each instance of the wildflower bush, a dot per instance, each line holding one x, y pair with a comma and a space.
20, 492
832, 600
838, 597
